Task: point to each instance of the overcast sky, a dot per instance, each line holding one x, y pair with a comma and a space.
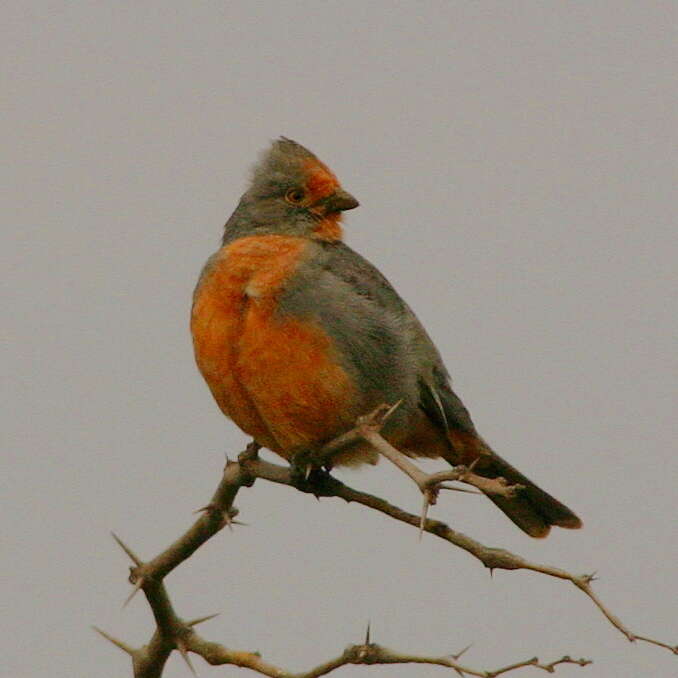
516, 168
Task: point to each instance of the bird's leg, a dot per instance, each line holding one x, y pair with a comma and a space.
304, 463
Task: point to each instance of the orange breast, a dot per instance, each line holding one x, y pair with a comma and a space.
275, 375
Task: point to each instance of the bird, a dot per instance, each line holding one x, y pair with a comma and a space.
297, 335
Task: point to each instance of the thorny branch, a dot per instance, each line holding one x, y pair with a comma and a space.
174, 633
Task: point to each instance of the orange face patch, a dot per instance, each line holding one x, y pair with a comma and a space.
321, 184
321, 181
276, 377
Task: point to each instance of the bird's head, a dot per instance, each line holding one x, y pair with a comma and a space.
293, 193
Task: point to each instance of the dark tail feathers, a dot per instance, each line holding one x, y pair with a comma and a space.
532, 510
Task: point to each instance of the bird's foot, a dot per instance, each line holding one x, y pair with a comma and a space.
310, 478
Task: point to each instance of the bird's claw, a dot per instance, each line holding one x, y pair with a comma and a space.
307, 477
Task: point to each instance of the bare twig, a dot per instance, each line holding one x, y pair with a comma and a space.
173, 633
366, 654
492, 558
368, 428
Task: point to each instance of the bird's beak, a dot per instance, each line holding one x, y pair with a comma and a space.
340, 201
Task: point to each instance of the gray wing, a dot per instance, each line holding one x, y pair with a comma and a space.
380, 337
436, 396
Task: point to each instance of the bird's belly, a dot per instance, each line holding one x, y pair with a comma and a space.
276, 376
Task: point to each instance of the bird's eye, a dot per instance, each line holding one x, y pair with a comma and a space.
295, 196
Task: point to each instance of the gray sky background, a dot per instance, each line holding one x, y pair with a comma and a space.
516, 165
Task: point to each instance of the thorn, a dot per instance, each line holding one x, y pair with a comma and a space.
367, 633
200, 620
491, 573
424, 513
229, 515
137, 586
391, 410
204, 509
132, 556
181, 646
462, 652
118, 643
307, 472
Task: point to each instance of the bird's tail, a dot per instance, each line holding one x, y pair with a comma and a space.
532, 509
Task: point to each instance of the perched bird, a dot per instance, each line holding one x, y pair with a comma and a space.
297, 335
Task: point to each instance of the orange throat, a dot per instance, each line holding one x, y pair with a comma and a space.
329, 228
